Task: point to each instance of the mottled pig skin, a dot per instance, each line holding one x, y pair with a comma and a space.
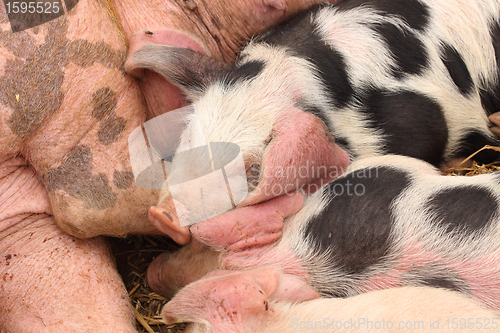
66, 110
245, 302
390, 221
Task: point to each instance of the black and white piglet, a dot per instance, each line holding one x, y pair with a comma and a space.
389, 221
411, 77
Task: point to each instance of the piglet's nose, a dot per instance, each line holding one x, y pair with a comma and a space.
155, 275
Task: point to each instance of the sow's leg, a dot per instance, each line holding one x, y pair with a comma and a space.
66, 109
49, 280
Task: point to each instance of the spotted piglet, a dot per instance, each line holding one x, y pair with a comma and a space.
389, 221
342, 82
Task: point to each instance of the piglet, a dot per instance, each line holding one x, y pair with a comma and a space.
244, 302
342, 82
389, 221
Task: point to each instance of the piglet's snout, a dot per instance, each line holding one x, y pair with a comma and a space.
300, 155
155, 275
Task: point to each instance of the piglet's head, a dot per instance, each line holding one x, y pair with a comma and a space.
254, 105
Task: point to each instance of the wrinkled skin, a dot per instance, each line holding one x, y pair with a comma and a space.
66, 110
52, 282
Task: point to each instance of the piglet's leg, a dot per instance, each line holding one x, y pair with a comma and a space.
247, 227
169, 272
236, 230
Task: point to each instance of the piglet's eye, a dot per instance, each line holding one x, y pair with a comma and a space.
253, 176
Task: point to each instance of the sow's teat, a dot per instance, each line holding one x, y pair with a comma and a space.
170, 152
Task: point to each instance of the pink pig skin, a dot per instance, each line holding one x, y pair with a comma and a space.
241, 302
51, 281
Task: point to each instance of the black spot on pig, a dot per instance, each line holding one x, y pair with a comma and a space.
490, 98
475, 140
75, 177
344, 144
123, 180
394, 113
415, 13
490, 95
408, 51
110, 130
244, 72
457, 211
31, 84
298, 36
457, 68
441, 282
307, 107
357, 221
435, 275
104, 107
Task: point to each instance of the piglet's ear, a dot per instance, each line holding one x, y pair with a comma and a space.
169, 224
189, 70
